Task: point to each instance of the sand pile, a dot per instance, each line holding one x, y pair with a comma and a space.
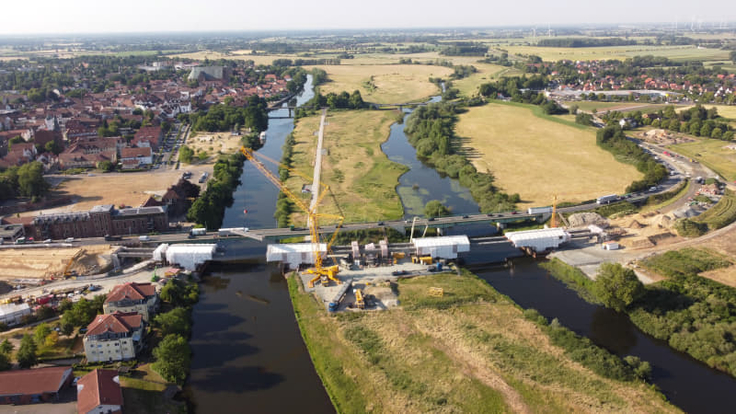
586, 219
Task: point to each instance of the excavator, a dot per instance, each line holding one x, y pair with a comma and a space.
321, 273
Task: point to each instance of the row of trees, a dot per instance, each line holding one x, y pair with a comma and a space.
26, 180
284, 206
697, 121
173, 354
693, 314
612, 139
209, 207
430, 130
522, 90
585, 42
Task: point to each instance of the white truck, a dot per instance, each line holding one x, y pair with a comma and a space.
539, 210
199, 231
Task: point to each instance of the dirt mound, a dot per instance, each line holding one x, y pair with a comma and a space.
586, 219
635, 225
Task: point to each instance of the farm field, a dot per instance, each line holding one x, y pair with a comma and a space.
359, 174
619, 52
385, 83
486, 73
469, 351
237, 55
588, 106
713, 153
539, 158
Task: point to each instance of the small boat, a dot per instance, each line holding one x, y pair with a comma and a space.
262, 137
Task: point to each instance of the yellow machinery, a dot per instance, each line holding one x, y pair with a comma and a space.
324, 274
425, 260
70, 273
359, 299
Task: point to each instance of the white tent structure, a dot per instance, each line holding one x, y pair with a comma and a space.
441, 247
293, 254
12, 314
189, 256
159, 254
539, 240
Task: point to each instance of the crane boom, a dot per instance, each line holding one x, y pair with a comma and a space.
312, 215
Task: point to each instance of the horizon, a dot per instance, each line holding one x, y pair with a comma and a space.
86, 17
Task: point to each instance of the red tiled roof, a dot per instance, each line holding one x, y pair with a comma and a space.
33, 381
132, 290
135, 152
117, 322
98, 388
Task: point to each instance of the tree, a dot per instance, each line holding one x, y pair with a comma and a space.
185, 154
66, 328
5, 363
30, 179
172, 358
435, 208
44, 312
732, 55
617, 287
175, 321
53, 146
6, 347
106, 166
40, 333
51, 339
574, 109
27, 353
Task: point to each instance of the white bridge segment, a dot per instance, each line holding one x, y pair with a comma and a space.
539, 240
293, 254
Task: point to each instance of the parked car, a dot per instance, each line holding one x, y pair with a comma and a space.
47, 241
69, 240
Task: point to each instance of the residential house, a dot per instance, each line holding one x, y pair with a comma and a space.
132, 297
99, 392
114, 337
136, 157
27, 386
150, 136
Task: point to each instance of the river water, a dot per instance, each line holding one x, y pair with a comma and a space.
248, 352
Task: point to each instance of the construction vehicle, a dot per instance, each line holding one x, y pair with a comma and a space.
72, 273
320, 272
359, 299
425, 260
334, 304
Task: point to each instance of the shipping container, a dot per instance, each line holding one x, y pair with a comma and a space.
539, 210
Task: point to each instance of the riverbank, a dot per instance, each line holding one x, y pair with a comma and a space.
360, 176
471, 350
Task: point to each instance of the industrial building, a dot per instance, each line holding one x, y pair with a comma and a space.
100, 221
13, 314
441, 247
293, 254
538, 240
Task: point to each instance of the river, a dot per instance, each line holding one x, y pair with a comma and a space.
248, 352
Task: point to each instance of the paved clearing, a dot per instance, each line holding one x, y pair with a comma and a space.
538, 158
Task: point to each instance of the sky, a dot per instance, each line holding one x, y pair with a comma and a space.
129, 16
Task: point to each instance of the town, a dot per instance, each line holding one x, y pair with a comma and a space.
470, 220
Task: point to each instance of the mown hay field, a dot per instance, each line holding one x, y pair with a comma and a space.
539, 158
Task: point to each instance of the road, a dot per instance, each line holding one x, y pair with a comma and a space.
318, 161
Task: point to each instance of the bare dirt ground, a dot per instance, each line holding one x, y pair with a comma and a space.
212, 143
43, 262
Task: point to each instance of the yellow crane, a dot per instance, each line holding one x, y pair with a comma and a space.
320, 272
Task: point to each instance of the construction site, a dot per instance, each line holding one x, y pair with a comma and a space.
33, 266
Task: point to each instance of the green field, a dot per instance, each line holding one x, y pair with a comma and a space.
486, 73
540, 157
713, 153
359, 174
468, 351
721, 214
679, 53
385, 83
